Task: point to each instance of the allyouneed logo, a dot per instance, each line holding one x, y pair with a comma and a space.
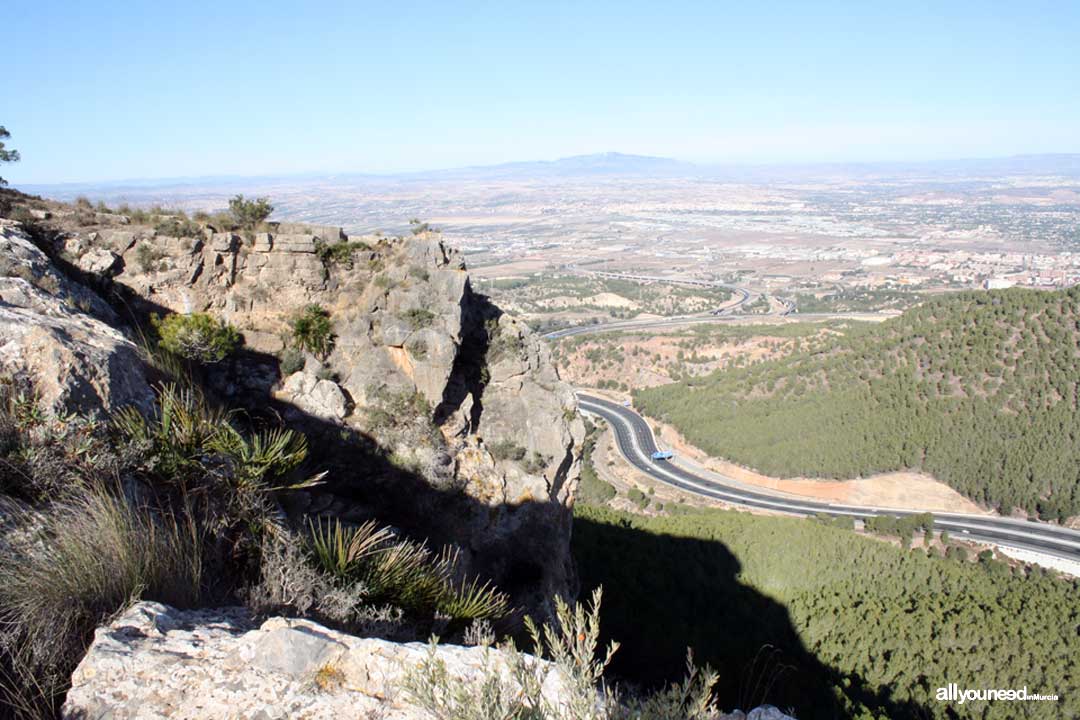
954, 693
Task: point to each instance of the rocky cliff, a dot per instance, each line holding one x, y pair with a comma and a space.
433, 410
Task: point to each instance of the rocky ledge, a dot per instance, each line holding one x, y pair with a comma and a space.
155, 662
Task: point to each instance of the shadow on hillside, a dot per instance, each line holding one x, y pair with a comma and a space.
509, 544
664, 594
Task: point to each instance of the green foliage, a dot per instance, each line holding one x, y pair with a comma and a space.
501, 344
902, 527
178, 226
976, 388
418, 318
340, 253
854, 627
291, 361
507, 450
405, 574
148, 256
192, 449
313, 331
248, 214
198, 337
397, 409
547, 293
6, 156
638, 498
591, 489
419, 228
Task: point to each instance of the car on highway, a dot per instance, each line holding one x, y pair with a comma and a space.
662, 455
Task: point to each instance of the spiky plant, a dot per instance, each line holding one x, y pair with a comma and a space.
387, 569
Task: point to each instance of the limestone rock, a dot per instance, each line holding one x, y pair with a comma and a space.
155, 662
59, 335
297, 243
100, 261
321, 398
407, 325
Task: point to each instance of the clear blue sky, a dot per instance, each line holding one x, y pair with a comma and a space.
98, 91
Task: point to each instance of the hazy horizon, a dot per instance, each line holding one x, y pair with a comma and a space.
430, 172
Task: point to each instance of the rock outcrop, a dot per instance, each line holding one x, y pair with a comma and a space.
155, 662
479, 438
61, 336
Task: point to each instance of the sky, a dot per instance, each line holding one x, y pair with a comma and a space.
118, 90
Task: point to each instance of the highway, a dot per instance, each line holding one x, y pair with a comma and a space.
683, 320
635, 442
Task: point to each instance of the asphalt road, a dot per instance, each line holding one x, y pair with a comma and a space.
635, 441
681, 320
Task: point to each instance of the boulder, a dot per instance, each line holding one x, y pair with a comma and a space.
264, 242
224, 242
295, 243
154, 662
321, 398
100, 261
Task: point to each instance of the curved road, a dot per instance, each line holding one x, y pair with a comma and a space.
635, 441
680, 320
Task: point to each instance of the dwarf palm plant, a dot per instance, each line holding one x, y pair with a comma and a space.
389, 569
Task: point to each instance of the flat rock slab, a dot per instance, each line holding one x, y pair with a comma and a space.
155, 662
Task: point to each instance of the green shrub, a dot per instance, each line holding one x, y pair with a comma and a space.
248, 214
313, 331
401, 573
340, 253
197, 337
147, 257
594, 491
193, 449
507, 450
178, 226
638, 498
390, 409
418, 318
291, 361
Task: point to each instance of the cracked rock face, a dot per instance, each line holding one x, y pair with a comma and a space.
60, 335
155, 662
462, 396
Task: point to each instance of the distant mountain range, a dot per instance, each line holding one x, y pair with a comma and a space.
619, 165
596, 165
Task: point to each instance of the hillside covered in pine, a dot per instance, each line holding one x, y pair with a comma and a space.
978, 389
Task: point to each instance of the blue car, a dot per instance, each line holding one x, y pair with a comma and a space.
662, 455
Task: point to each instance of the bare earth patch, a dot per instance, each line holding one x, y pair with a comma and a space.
901, 490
